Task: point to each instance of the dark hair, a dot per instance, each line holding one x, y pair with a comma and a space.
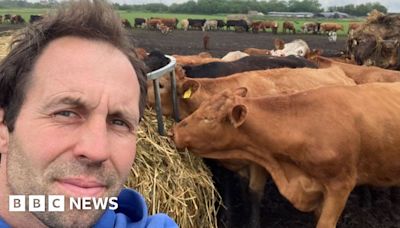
90, 19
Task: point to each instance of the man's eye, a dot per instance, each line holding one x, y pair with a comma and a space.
65, 114
121, 123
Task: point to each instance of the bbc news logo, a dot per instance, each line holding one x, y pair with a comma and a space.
56, 203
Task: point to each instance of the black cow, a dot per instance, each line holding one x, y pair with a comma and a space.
221, 24
248, 63
155, 60
239, 25
139, 22
196, 23
34, 18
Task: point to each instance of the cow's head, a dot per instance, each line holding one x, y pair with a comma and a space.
213, 125
362, 47
372, 50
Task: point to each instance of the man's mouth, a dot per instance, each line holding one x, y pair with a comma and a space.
82, 187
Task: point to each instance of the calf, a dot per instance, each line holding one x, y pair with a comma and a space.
316, 145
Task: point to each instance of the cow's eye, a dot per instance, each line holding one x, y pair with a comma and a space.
207, 120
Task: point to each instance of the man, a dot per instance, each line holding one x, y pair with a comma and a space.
71, 97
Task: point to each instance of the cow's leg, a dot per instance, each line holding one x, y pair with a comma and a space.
335, 198
258, 178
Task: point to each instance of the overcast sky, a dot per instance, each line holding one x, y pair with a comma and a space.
391, 5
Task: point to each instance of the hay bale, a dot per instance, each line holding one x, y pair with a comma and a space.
175, 183
178, 184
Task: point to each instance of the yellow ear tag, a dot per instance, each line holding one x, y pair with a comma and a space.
187, 93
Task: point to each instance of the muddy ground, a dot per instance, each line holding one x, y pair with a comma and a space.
222, 42
366, 207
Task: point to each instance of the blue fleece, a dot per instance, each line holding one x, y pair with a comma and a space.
131, 213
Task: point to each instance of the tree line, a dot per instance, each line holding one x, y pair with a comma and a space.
223, 6
236, 6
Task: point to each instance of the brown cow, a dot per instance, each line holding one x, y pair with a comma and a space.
125, 23
353, 26
288, 25
327, 27
316, 145
257, 51
273, 25
169, 22
361, 74
262, 82
141, 53
201, 58
255, 26
153, 23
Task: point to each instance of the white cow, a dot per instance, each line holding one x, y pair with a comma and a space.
184, 24
296, 47
210, 25
332, 36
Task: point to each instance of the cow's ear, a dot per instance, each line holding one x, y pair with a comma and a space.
238, 115
179, 72
242, 91
189, 87
4, 134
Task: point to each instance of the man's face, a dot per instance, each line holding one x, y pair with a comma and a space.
75, 134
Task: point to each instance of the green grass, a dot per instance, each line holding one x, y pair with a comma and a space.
131, 15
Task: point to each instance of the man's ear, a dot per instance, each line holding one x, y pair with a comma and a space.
238, 115
4, 134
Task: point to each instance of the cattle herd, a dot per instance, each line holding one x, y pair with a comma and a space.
316, 126
18, 19
166, 25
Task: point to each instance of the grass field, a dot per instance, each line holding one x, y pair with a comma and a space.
131, 15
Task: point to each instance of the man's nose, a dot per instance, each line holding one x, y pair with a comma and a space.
93, 143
